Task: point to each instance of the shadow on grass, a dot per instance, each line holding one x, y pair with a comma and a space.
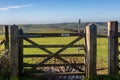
105, 77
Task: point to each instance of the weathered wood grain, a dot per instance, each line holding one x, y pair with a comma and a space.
91, 41
113, 48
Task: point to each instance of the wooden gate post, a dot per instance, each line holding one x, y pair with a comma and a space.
112, 48
20, 55
6, 36
13, 52
91, 40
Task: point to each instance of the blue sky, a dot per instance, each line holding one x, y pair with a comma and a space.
58, 11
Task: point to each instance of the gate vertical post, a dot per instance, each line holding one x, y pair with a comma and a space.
112, 48
91, 41
20, 55
14, 52
6, 36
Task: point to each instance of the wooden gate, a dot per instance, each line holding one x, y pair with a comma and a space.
56, 55
17, 55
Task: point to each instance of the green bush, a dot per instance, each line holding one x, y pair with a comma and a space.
4, 68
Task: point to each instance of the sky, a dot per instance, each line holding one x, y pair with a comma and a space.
58, 11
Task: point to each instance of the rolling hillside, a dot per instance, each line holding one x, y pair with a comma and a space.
61, 27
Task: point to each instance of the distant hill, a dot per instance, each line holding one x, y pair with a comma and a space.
63, 27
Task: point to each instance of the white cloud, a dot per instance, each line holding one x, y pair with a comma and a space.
1, 9
13, 7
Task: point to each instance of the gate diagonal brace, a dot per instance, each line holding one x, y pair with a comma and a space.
37, 45
55, 54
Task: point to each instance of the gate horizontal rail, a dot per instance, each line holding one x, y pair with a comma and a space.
48, 65
35, 35
54, 74
52, 46
46, 55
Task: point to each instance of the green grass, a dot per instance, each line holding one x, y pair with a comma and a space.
102, 55
50, 41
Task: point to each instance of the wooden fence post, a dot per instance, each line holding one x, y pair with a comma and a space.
6, 36
14, 52
20, 55
91, 40
112, 48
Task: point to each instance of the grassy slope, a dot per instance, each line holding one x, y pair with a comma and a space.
102, 55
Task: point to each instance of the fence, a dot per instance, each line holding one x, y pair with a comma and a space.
17, 54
